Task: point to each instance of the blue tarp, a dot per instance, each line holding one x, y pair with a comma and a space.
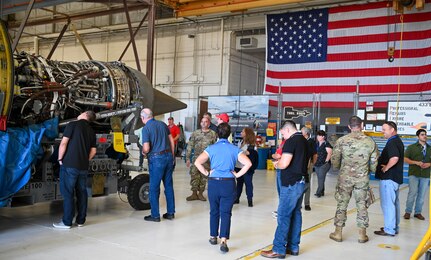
19, 148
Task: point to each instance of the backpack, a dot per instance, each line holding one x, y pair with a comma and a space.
254, 158
181, 145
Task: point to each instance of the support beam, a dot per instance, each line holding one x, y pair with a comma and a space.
21, 27
14, 6
150, 40
60, 36
196, 8
134, 35
81, 42
132, 38
80, 16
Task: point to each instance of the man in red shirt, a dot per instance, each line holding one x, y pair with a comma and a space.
175, 130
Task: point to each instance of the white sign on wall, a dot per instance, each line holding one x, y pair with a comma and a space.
410, 116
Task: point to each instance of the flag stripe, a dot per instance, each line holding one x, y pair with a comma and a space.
379, 46
367, 7
408, 18
380, 29
377, 55
342, 96
371, 64
350, 72
380, 38
339, 81
353, 8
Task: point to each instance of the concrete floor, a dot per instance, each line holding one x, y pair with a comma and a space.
115, 231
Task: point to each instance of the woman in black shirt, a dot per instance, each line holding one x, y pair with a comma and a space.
323, 163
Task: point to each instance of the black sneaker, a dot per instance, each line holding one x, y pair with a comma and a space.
169, 216
151, 218
290, 252
307, 207
213, 240
223, 247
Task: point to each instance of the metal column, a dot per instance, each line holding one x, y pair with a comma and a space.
132, 37
150, 43
21, 27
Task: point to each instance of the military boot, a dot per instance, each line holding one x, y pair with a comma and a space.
336, 235
201, 196
362, 235
194, 196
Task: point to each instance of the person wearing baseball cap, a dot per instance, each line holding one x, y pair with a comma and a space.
222, 118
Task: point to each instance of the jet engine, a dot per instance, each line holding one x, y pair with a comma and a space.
45, 89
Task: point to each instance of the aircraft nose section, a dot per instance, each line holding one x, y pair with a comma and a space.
157, 101
164, 104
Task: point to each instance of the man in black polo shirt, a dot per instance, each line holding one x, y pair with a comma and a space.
306, 132
293, 164
390, 172
77, 148
158, 145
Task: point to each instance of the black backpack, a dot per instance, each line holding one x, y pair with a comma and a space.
254, 158
181, 145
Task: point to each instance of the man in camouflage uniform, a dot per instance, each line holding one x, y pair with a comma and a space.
199, 141
355, 155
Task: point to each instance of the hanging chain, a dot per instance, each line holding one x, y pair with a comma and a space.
391, 49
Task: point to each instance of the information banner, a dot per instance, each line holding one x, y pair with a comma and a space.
243, 111
410, 116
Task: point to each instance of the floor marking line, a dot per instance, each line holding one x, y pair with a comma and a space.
306, 231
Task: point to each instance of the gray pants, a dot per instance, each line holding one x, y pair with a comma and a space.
308, 185
321, 172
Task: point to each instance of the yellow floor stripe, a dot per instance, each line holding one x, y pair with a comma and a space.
304, 232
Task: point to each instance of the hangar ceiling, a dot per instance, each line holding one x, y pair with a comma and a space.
187, 8
195, 9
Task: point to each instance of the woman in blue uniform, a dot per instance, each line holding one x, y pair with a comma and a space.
221, 183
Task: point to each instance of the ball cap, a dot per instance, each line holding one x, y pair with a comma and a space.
223, 117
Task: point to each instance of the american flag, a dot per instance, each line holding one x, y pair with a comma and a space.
329, 50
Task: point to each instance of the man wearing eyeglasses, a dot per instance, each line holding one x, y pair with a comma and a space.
418, 156
390, 173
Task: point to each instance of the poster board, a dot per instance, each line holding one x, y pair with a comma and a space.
243, 111
410, 116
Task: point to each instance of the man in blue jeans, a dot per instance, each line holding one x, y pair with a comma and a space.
390, 172
77, 148
418, 156
158, 145
293, 164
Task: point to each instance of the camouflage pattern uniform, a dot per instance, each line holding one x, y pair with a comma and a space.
355, 155
199, 141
